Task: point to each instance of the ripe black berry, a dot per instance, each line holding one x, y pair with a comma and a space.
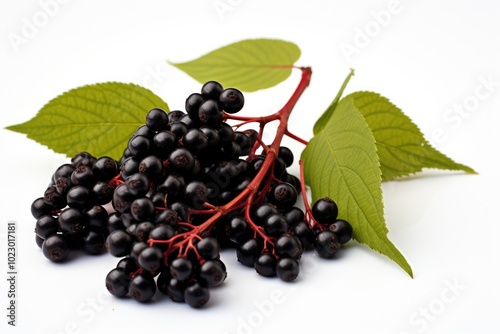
151, 259
71, 221
232, 100
342, 229
248, 252
265, 265
211, 90
325, 211
196, 295
56, 247
287, 269
283, 195
117, 282
288, 246
181, 268
326, 244
210, 113
142, 287
157, 119
213, 273
119, 243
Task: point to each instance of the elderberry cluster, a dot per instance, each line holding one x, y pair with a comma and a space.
186, 185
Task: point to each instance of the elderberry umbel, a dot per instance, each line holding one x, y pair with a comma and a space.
187, 184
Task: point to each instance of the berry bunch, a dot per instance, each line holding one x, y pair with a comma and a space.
188, 184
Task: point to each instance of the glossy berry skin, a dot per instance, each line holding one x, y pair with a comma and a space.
181, 269
265, 265
283, 195
287, 269
260, 213
248, 252
211, 90
196, 295
117, 282
181, 160
142, 230
326, 244
102, 193
54, 199
142, 209
286, 155
151, 259
71, 221
193, 103
138, 184
231, 100
92, 242
157, 119
275, 225
208, 248
128, 264
80, 197
142, 288
40, 208
164, 143
196, 194
342, 229
325, 211
122, 199
210, 113
83, 175
239, 230
119, 243
152, 167
105, 168
212, 273
302, 231
56, 248
140, 146
288, 246
293, 216
195, 140
46, 226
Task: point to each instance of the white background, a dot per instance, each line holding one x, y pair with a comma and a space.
428, 57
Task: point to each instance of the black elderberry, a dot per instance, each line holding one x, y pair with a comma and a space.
196, 295
211, 90
231, 100
102, 192
92, 242
210, 113
119, 243
105, 168
142, 287
181, 160
71, 221
151, 259
84, 176
117, 282
137, 184
213, 273
208, 248
39, 208
265, 265
342, 229
56, 247
302, 231
80, 197
181, 268
275, 225
287, 269
157, 119
283, 195
248, 252
142, 209
193, 103
46, 226
325, 211
288, 246
326, 244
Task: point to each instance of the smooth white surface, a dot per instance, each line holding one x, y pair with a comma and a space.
427, 57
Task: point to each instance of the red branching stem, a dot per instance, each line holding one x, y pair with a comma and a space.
297, 138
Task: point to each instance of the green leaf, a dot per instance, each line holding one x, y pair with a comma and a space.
402, 148
323, 120
97, 118
248, 65
341, 162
